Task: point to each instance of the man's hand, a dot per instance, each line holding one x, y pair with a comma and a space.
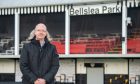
40, 81
36, 82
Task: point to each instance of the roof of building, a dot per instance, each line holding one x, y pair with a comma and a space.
30, 3
10, 7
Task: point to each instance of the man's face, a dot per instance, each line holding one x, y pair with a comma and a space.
40, 32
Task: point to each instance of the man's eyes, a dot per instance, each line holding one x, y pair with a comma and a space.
41, 30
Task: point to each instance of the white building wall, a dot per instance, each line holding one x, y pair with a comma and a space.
112, 66
81, 69
67, 68
115, 66
7, 66
18, 73
134, 68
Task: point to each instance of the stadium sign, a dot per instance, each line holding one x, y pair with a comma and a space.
95, 9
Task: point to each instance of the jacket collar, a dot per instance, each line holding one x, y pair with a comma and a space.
36, 42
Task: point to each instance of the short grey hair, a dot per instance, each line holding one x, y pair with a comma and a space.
32, 33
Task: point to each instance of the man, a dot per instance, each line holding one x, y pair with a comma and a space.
39, 61
129, 26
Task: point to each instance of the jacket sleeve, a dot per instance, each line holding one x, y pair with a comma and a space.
24, 65
49, 77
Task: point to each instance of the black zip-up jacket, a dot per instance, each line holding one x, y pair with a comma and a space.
39, 62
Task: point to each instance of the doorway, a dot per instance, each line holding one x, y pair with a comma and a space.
95, 73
